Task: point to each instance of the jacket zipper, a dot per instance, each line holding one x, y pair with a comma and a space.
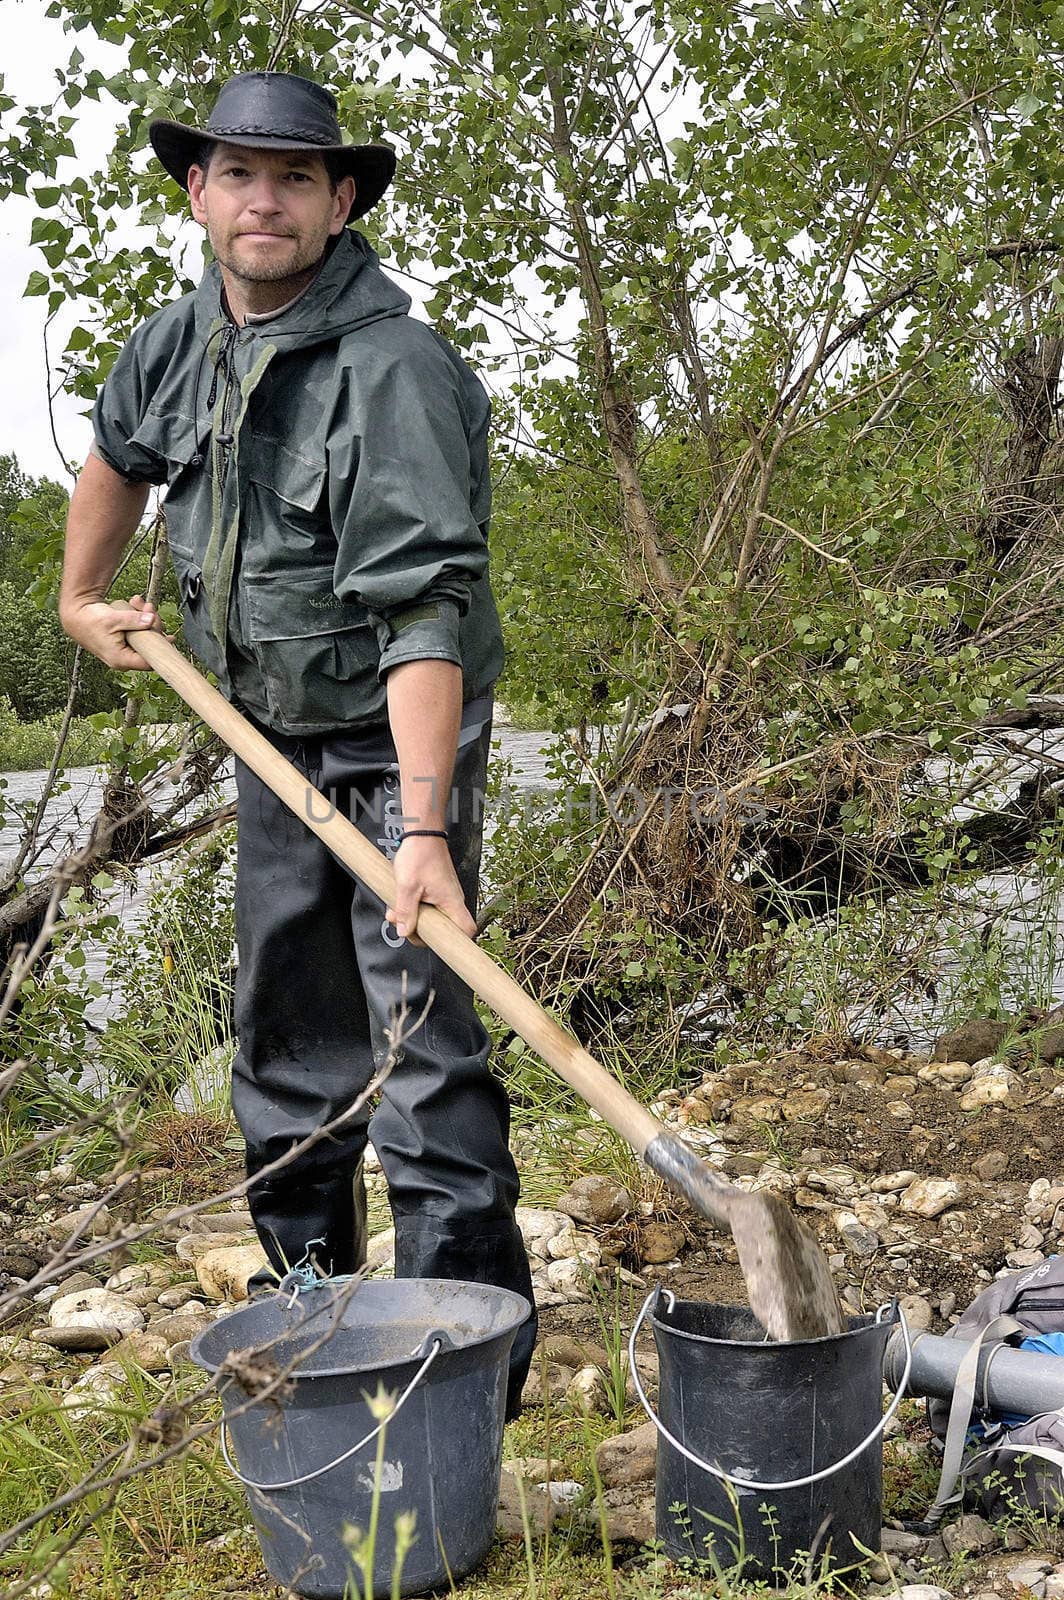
223, 439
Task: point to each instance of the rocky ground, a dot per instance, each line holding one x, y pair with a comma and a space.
923, 1179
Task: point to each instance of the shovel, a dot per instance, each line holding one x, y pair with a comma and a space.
788, 1279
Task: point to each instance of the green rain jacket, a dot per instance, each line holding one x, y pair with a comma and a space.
328, 493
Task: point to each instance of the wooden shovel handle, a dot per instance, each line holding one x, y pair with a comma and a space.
479, 970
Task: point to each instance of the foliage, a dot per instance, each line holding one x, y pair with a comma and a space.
37, 659
30, 746
770, 300
173, 970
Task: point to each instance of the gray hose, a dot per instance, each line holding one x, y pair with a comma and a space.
1020, 1381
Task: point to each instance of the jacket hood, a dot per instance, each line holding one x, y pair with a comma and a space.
349, 292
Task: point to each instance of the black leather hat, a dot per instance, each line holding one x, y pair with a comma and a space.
276, 111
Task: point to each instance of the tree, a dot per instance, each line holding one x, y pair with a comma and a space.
781, 291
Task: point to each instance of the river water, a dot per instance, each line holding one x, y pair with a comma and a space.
1004, 927
519, 768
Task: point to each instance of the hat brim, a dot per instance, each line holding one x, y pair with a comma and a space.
371, 165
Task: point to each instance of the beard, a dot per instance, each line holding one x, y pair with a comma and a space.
293, 256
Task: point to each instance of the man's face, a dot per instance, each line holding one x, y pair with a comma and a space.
268, 214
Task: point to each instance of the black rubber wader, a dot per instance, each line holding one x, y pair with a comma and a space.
320, 976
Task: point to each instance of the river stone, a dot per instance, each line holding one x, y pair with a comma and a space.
17, 1265
187, 1308
1017, 1259
224, 1272
629, 1516
628, 1457
1048, 1046
903, 1083
183, 1325
596, 1199
900, 1111
929, 1197
805, 1105
695, 1112
530, 1469
145, 1350
574, 1353
191, 1247
178, 1295
236, 1219
79, 1340
660, 1242
649, 1377
972, 1041
948, 1073
538, 1225
715, 1093
992, 1165
380, 1252
140, 1275
991, 1067
900, 1543
970, 1533
855, 1236
587, 1392
546, 1381
522, 1505
922, 1591
88, 1222
1030, 1574
988, 1092
569, 1243
77, 1280
917, 1312
180, 1355
892, 1182
95, 1308
98, 1389
572, 1277
146, 1296
757, 1108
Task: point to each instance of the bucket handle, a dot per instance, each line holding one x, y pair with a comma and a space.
749, 1483
319, 1472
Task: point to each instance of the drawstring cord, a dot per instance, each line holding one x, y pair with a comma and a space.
224, 359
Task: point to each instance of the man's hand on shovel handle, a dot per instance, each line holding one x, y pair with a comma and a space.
424, 873
101, 628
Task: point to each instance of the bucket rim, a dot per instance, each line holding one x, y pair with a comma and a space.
867, 1321
520, 1307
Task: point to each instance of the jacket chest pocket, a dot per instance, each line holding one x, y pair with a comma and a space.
280, 474
180, 440
318, 654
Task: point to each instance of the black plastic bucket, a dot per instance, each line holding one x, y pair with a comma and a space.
439, 1345
767, 1413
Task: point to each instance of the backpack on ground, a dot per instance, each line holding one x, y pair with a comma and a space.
993, 1462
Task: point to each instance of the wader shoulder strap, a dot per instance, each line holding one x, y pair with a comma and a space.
960, 1413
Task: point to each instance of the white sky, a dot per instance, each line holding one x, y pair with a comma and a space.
34, 46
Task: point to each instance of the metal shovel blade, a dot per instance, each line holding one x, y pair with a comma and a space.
788, 1280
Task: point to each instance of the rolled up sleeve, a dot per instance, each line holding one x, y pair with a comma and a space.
402, 485
116, 417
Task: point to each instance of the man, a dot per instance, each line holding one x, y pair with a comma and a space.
327, 506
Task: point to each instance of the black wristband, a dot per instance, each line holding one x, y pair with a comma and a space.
422, 833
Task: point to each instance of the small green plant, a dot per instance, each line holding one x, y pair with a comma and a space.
608, 1314
361, 1543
